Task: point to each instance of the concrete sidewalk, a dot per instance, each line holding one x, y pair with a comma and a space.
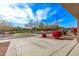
34, 46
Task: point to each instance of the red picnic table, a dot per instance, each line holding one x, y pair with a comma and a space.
56, 34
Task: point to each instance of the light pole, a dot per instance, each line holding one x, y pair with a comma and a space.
57, 20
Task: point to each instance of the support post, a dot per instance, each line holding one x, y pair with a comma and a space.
78, 29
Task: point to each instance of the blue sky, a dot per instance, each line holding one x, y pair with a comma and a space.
22, 13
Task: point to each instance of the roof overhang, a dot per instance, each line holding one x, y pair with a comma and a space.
73, 8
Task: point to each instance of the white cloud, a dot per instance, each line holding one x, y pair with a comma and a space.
59, 20
29, 13
46, 11
39, 14
42, 13
23, 15
11, 13
54, 12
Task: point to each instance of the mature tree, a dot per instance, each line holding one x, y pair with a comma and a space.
5, 25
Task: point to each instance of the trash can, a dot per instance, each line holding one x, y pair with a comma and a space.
44, 34
75, 31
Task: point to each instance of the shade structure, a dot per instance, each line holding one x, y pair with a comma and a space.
73, 8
